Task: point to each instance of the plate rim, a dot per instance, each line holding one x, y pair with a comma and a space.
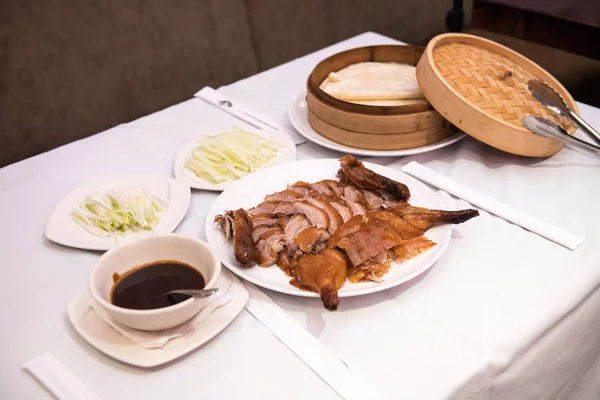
291, 290
183, 152
172, 182
239, 300
294, 120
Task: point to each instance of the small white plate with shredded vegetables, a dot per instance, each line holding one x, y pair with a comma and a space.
107, 211
212, 161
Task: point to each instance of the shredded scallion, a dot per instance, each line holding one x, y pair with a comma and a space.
230, 155
119, 211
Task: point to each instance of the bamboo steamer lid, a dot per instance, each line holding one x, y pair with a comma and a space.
481, 87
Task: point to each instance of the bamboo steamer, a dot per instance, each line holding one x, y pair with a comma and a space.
369, 123
481, 87
390, 141
372, 127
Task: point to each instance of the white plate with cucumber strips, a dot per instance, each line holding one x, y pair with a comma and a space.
212, 161
110, 210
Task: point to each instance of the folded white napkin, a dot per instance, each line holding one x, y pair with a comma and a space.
495, 207
219, 100
58, 379
157, 339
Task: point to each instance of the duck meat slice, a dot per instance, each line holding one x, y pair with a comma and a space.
225, 222
265, 231
304, 188
317, 217
424, 218
266, 207
353, 194
259, 230
271, 244
286, 195
373, 200
264, 219
324, 189
309, 238
370, 240
357, 208
354, 172
344, 211
285, 208
297, 224
266, 257
337, 187
283, 221
335, 219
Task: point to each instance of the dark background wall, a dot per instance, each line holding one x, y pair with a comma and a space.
72, 68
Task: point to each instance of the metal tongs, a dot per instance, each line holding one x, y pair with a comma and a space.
553, 101
551, 130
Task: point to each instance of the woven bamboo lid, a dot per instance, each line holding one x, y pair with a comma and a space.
481, 87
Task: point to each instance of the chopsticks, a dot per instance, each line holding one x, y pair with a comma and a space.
494, 206
226, 104
307, 348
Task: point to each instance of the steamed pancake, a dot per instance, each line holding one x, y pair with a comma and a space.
374, 81
387, 103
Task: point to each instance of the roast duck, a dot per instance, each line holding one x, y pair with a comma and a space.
324, 233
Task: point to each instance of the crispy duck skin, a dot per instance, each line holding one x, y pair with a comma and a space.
323, 273
369, 241
352, 225
353, 171
412, 248
424, 218
402, 228
243, 244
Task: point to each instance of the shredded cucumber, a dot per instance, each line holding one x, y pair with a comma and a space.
118, 211
230, 155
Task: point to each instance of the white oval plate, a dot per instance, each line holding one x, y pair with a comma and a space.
286, 154
298, 115
103, 337
251, 190
63, 230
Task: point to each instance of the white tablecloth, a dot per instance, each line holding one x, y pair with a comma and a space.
504, 314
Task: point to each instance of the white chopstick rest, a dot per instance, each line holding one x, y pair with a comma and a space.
320, 359
493, 206
219, 100
57, 378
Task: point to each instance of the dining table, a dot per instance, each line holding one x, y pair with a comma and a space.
503, 314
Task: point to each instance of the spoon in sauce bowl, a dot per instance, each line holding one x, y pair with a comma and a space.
158, 285
154, 293
199, 293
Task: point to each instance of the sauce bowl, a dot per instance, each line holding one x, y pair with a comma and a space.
192, 251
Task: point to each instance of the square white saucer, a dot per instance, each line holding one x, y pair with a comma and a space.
108, 341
